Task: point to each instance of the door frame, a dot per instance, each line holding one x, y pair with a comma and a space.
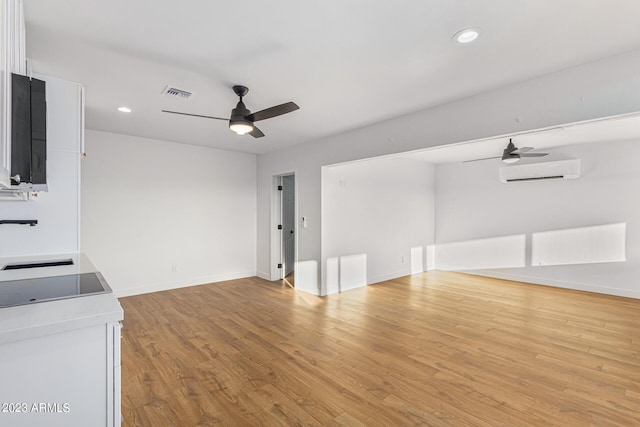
276, 218
288, 221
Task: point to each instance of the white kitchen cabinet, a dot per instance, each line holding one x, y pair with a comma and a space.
12, 60
72, 373
60, 363
58, 210
65, 114
59, 358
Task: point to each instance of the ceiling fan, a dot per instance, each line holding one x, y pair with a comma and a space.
241, 121
512, 154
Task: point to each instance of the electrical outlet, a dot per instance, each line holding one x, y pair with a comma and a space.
174, 268
403, 259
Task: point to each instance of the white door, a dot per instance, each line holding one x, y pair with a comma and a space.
288, 224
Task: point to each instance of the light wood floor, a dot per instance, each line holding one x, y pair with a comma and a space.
290, 279
440, 349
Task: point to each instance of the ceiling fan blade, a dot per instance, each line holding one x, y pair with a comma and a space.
485, 158
534, 154
522, 150
268, 113
256, 133
194, 115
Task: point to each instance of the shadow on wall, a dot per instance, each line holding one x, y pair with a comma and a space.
350, 271
346, 272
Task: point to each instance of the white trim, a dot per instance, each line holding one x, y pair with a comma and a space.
81, 148
196, 281
264, 275
274, 220
389, 276
5, 120
82, 123
280, 228
274, 258
585, 287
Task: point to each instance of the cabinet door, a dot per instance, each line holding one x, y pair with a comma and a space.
5, 96
117, 384
12, 60
114, 417
64, 114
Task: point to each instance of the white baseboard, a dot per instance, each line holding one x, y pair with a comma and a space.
195, 281
388, 276
264, 275
370, 281
587, 287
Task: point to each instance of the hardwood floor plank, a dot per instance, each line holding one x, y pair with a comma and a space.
439, 349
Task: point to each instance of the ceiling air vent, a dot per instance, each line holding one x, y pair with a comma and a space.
176, 93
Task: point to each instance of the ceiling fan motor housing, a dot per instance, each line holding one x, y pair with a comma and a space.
238, 115
508, 155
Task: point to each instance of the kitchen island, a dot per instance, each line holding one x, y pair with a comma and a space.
59, 353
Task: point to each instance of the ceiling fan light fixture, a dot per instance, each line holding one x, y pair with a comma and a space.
241, 128
467, 35
511, 158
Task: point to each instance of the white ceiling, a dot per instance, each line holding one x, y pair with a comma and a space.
346, 63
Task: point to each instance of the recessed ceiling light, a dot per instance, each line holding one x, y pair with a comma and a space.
124, 109
466, 36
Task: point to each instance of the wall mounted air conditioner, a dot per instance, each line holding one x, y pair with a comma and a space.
561, 169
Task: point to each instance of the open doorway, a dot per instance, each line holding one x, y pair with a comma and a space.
286, 189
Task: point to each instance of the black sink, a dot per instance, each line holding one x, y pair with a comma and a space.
24, 265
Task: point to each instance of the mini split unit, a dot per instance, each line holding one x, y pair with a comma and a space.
562, 169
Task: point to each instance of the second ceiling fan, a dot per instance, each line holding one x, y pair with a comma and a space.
241, 120
512, 154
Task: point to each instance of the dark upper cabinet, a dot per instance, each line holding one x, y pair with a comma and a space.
28, 131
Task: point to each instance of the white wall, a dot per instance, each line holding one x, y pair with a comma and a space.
57, 210
472, 204
150, 207
598, 89
380, 208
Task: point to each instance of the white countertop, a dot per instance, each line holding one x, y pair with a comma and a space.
54, 317
58, 316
